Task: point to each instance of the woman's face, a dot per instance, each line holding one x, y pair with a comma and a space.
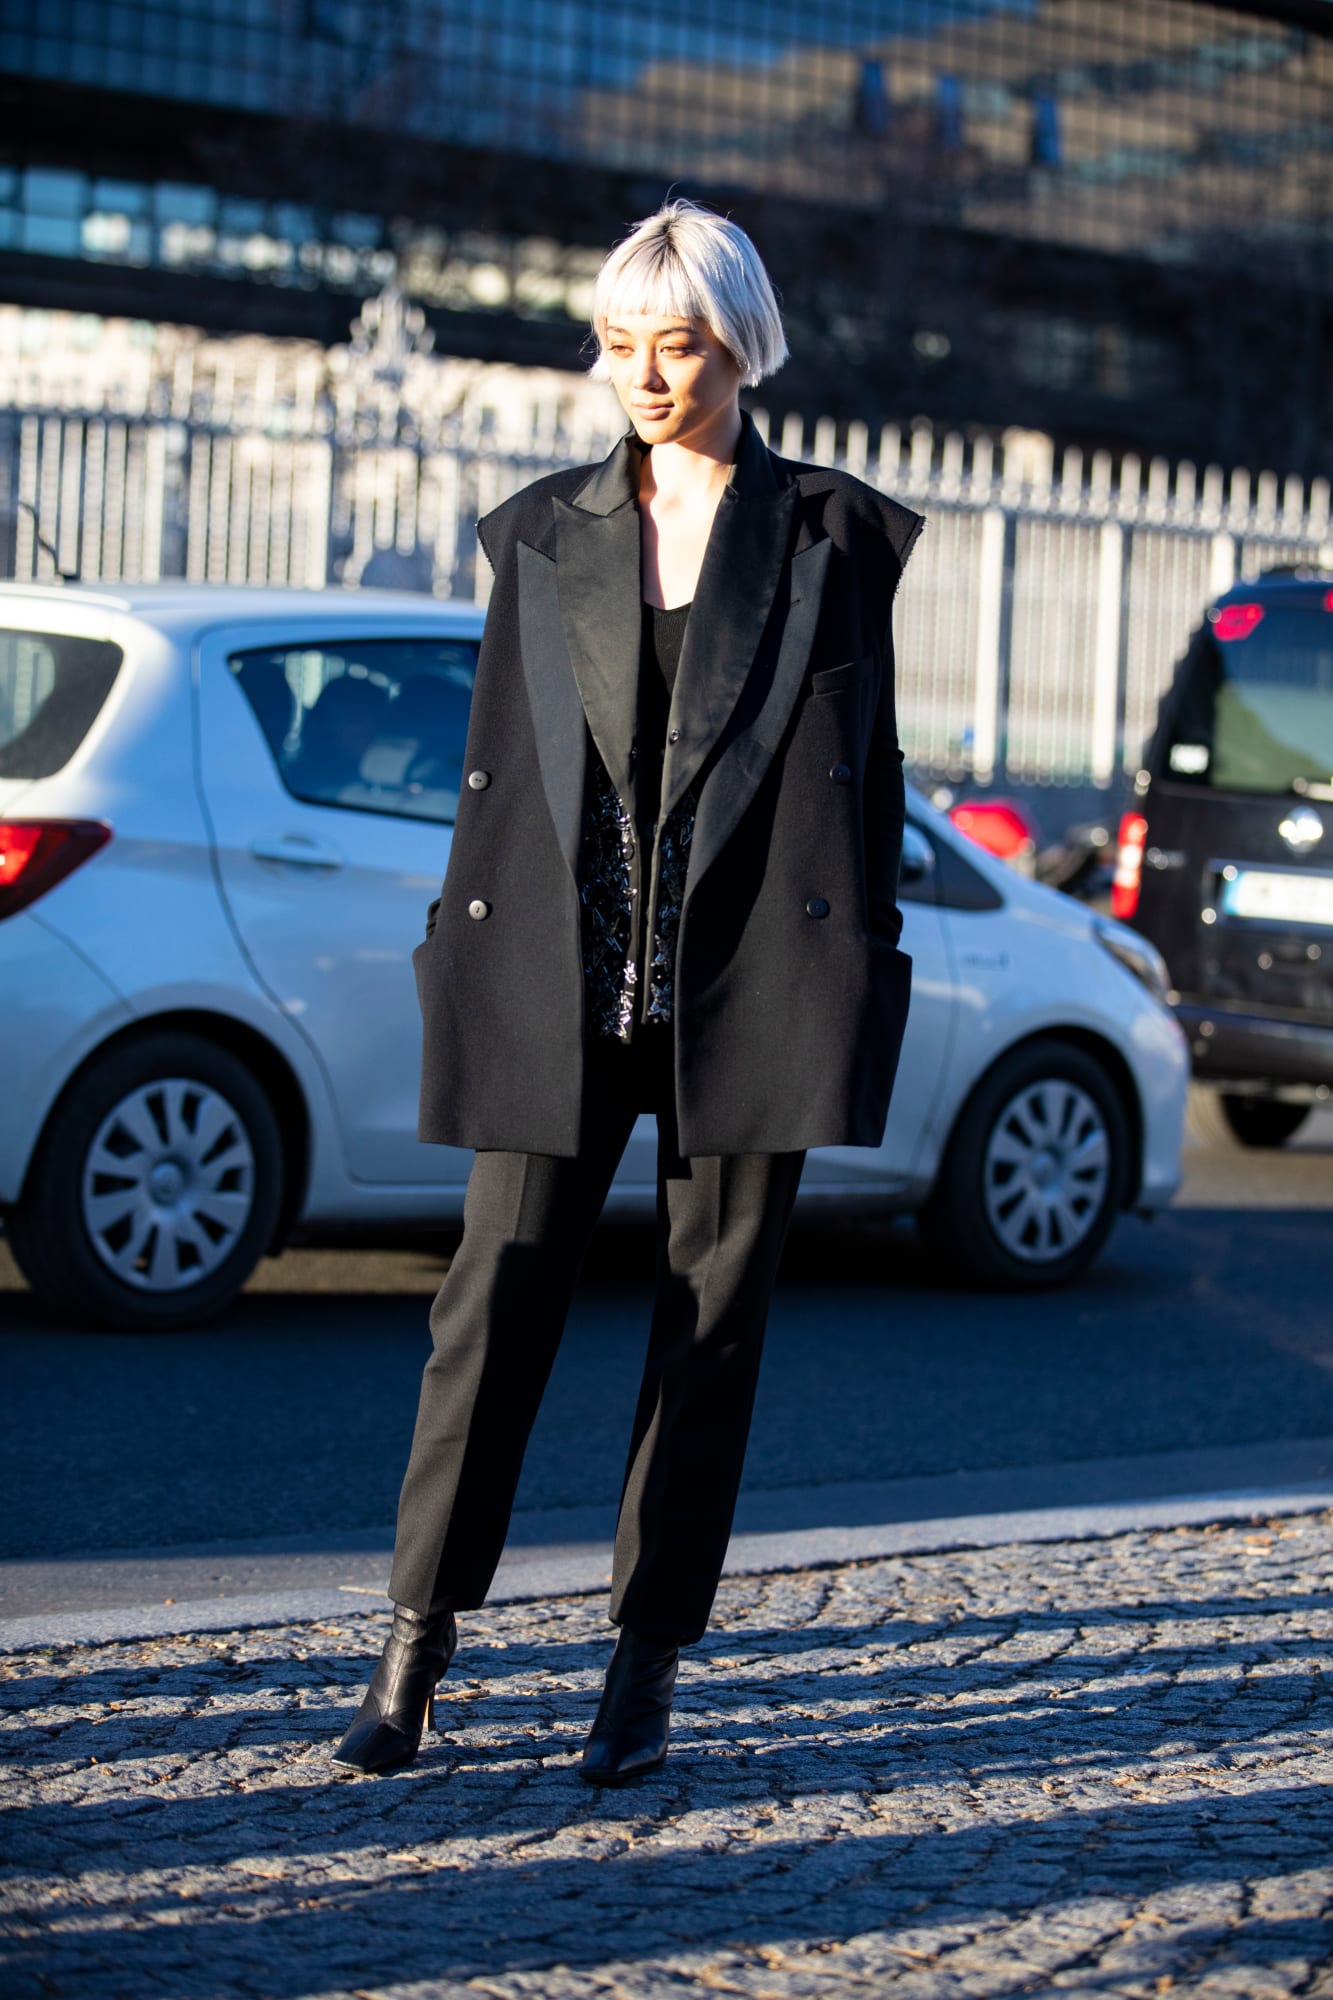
676, 381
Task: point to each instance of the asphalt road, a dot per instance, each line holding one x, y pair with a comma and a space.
1210, 1328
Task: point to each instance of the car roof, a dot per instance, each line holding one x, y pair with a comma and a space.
1300, 581
202, 604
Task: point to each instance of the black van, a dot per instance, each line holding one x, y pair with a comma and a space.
1226, 859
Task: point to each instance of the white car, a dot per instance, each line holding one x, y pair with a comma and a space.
223, 813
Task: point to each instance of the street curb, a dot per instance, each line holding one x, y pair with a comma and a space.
526, 1575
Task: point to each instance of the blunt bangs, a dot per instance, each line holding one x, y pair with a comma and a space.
688, 261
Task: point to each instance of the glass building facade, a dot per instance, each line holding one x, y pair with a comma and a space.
1060, 195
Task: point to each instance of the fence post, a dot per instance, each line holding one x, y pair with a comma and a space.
986, 686
319, 485
1221, 564
857, 455
1106, 652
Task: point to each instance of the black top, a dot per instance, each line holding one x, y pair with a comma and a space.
663, 635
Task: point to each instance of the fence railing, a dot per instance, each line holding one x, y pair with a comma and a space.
1040, 617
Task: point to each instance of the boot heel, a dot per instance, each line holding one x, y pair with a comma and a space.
430, 1709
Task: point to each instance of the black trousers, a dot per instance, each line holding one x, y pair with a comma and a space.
496, 1324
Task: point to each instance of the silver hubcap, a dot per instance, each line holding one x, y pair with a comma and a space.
168, 1184
1046, 1171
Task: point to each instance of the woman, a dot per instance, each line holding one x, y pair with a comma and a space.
672, 889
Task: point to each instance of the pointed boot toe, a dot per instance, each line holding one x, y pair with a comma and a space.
629, 1737
385, 1733
377, 1743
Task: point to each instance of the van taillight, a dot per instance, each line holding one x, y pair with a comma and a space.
35, 854
1236, 621
1129, 866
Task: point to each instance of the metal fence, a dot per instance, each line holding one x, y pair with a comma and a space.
1039, 619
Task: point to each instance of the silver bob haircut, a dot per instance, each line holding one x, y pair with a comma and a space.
687, 260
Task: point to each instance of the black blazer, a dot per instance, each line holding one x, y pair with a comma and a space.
791, 993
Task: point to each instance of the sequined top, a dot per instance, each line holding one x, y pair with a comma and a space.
620, 962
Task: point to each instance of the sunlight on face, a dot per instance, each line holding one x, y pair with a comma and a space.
675, 379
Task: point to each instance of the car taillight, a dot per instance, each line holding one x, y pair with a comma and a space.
1129, 866
35, 854
1236, 621
998, 825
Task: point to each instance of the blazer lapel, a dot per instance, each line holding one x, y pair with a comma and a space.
597, 556
742, 565
581, 629
557, 713
739, 771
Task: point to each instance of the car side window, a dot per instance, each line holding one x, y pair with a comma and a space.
52, 688
916, 871
949, 880
377, 725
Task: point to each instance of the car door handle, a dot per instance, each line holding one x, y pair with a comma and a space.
296, 850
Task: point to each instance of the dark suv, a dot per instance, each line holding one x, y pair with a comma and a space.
1226, 859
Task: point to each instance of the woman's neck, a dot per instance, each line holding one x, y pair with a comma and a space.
690, 475
680, 487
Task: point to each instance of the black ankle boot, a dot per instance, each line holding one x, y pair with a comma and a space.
400, 1701
629, 1736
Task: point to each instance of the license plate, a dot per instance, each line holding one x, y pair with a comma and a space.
1279, 899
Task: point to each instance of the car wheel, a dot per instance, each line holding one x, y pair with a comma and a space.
1262, 1121
155, 1188
1034, 1172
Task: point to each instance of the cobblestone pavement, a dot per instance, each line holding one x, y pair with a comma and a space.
1096, 1768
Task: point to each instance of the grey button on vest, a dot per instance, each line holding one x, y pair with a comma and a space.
841, 774
479, 780
478, 909
817, 907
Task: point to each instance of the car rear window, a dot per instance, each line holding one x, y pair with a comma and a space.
52, 687
1253, 711
379, 725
